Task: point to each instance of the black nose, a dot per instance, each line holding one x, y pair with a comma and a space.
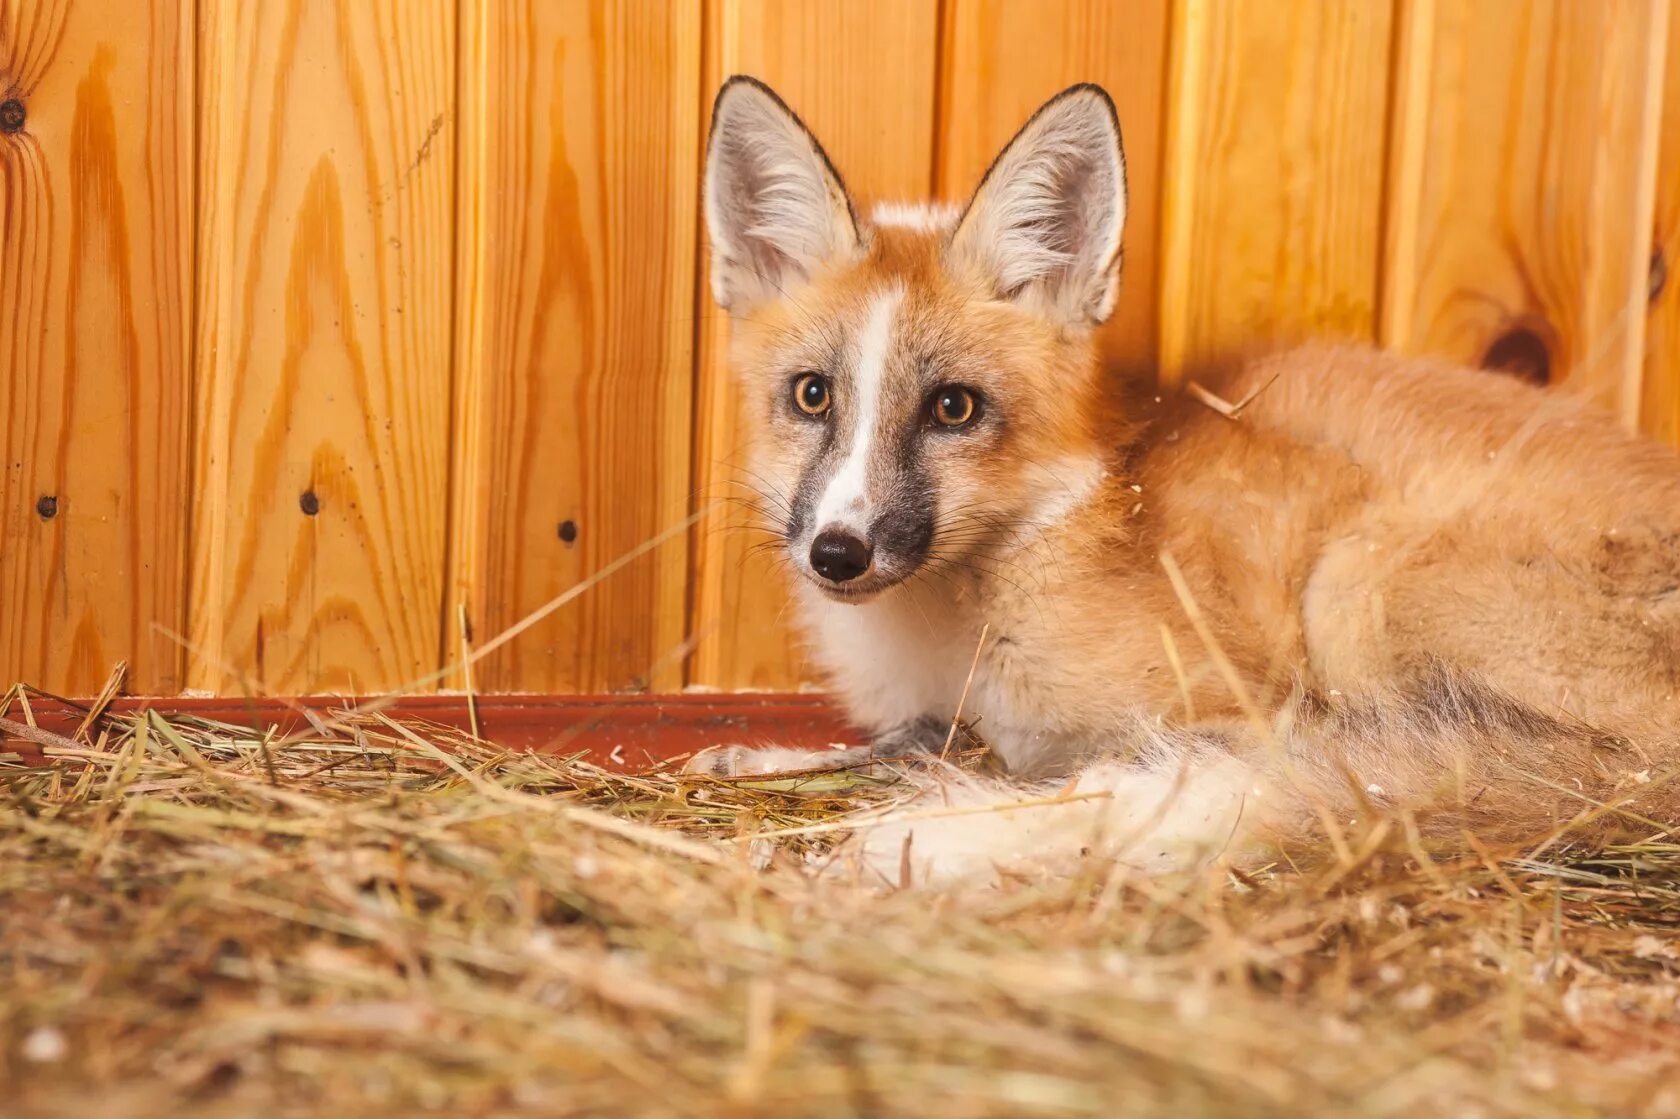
838, 556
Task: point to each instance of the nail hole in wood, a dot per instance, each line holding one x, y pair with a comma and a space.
309, 503
47, 507
12, 115
568, 532
1521, 352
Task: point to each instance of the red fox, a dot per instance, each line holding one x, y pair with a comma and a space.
1383, 584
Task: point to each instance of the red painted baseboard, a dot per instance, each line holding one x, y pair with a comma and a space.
622, 731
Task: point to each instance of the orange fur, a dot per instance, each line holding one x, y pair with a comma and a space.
1417, 585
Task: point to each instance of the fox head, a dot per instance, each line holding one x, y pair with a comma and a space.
920, 385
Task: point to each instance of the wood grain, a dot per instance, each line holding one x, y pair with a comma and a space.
325, 225
1002, 59
1523, 184
95, 298
1271, 223
578, 209
1660, 414
862, 75
305, 386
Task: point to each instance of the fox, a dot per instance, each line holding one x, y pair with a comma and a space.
1375, 584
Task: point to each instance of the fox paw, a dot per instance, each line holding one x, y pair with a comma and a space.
746, 761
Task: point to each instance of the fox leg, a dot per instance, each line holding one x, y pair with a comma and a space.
1460, 754
1155, 815
1588, 630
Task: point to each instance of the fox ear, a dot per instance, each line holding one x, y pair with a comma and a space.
775, 207
1043, 229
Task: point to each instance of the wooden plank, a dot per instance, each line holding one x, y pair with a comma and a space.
578, 209
1661, 410
1523, 183
1272, 216
862, 75
630, 732
326, 225
1004, 58
96, 188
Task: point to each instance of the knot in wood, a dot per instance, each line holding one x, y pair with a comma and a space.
1523, 350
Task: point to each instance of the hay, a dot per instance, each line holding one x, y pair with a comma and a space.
375, 918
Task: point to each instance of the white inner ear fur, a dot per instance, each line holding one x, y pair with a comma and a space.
774, 208
1044, 227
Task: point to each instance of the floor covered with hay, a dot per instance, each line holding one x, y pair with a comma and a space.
384, 918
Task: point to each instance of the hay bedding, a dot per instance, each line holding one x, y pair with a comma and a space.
375, 918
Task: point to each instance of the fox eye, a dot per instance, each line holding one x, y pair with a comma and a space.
810, 394
954, 406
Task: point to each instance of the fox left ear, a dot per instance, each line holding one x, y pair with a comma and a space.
1043, 229
776, 210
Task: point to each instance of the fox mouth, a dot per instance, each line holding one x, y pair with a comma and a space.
857, 591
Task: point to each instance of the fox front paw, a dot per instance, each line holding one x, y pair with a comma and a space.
746, 761
904, 742
927, 735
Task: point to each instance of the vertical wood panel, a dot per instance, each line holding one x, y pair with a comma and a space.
1273, 185
1523, 179
578, 197
1004, 58
326, 225
1661, 410
1516, 162
95, 281
862, 75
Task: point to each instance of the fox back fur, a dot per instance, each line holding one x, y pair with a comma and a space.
1385, 583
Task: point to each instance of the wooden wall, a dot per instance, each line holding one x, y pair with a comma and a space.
337, 336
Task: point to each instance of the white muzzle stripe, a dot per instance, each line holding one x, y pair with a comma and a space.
845, 500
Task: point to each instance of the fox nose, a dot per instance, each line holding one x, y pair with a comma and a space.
838, 556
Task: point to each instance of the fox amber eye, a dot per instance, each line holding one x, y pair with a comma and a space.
810, 394
954, 406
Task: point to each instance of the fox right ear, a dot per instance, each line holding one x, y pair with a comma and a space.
775, 208
1044, 226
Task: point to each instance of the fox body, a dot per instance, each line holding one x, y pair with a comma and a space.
1384, 581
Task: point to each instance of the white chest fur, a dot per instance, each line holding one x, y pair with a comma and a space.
889, 662
901, 659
